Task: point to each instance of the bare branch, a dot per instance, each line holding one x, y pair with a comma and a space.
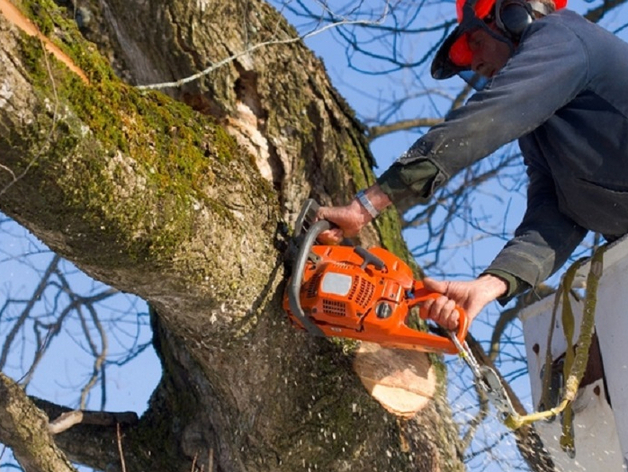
475, 422
377, 131
99, 418
24, 428
27, 310
597, 13
119, 437
254, 48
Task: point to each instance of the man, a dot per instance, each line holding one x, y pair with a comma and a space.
558, 84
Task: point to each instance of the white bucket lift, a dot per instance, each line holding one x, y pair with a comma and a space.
601, 407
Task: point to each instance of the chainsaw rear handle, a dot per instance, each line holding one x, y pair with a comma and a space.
420, 295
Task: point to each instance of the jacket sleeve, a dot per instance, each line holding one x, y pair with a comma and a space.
548, 70
414, 184
545, 238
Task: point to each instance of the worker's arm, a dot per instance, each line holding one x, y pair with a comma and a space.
543, 241
542, 244
510, 108
351, 218
417, 182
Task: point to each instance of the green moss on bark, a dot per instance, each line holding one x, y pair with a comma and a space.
174, 154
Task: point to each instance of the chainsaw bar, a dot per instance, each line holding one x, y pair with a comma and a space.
487, 380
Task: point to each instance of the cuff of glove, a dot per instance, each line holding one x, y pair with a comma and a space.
515, 284
367, 204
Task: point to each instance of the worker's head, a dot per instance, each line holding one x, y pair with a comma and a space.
487, 34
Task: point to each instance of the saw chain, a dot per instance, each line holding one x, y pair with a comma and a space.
488, 382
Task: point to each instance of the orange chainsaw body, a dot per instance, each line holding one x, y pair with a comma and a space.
343, 294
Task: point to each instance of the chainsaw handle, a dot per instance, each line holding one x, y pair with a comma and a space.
420, 295
306, 216
369, 258
294, 286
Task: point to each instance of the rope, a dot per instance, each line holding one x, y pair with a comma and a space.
569, 328
575, 364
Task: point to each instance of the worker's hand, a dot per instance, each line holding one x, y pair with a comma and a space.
348, 221
351, 218
471, 296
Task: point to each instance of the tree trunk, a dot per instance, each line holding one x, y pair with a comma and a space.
180, 199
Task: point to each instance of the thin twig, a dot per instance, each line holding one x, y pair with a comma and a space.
99, 357
27, 310
122, 463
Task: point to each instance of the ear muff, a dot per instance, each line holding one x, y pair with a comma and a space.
513, 17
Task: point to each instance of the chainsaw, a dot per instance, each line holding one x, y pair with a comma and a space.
350, 292
369, 295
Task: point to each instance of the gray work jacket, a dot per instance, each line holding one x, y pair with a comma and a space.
564, 95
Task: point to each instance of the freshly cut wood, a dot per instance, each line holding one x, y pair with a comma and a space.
403, 381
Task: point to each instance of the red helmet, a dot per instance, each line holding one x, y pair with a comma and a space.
455, 55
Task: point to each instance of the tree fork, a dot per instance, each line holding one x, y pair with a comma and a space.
152, 198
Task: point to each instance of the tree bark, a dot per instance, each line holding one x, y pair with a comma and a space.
24, 428
184, 208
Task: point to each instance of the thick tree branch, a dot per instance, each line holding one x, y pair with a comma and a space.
99, 418
91, 437
24, 428
149, 196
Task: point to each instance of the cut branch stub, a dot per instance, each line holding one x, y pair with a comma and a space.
403, 381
